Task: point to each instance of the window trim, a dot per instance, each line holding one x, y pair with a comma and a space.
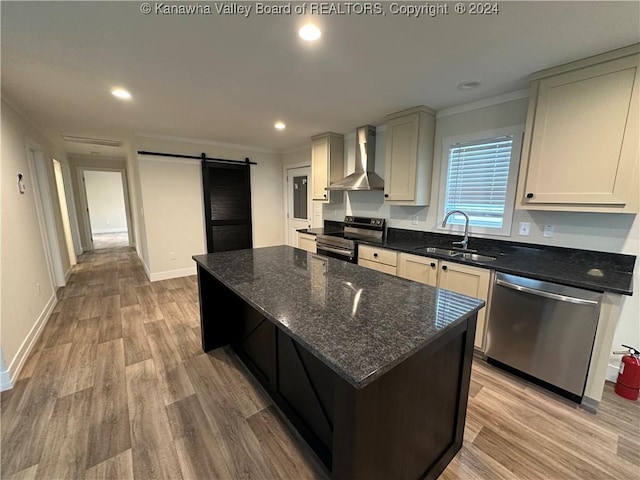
517, 131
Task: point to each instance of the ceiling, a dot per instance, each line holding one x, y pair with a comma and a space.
227, 78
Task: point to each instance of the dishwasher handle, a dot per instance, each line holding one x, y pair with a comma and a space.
542, 293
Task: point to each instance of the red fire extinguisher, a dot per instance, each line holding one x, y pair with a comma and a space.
628, 383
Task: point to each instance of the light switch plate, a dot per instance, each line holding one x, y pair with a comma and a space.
414, 219
548, 231
525, 228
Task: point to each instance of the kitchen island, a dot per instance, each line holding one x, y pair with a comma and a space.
372, 370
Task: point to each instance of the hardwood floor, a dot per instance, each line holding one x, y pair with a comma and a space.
118, 387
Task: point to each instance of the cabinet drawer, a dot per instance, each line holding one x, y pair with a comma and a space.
379, 255
380, 267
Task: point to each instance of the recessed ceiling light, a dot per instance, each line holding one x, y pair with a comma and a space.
279, 125
121, 93
309, 32
468, 85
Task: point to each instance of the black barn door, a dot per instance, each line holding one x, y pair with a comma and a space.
227, 205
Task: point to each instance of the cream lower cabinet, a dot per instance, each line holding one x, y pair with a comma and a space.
580, 151
419, 269
464, 279
379, 259
307, 242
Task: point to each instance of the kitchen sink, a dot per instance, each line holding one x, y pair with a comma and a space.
445, 252
476, 257
439, 251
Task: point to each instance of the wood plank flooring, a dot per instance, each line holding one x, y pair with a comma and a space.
118, 387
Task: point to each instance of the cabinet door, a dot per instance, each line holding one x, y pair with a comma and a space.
307, 385
419, 269
584, 136
471, 281
402, 157
307, 242
320, 168
257, 345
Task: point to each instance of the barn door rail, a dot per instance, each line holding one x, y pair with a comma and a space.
202, 157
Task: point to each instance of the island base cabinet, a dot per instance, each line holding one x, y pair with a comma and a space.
409, 423
406, 424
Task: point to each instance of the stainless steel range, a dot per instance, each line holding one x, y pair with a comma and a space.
344, 245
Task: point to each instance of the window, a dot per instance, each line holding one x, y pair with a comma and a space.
479, 178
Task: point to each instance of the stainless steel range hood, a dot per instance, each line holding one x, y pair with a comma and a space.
364, 178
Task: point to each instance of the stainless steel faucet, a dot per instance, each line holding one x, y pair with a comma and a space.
464, 242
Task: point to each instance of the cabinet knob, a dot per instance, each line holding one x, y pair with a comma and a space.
433, 265
444, 267
375, 255
529, 195
386, 195
325, 195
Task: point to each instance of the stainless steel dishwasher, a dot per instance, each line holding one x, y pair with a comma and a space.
544, 330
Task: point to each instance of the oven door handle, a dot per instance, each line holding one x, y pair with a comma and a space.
541, 293
345, 252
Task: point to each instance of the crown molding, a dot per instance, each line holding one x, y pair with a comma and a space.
201, 141
485, 102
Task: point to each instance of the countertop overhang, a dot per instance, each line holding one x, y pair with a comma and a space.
359, 322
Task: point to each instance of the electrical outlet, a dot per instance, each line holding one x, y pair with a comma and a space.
414, 219
548, 231
525, 228
172, 255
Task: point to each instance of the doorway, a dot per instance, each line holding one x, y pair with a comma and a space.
298, 202
108, 222
64, 211
44, 211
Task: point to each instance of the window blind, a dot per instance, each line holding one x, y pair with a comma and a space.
477, 178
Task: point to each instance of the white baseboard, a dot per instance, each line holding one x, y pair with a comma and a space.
109, 230
612, 372
67, 274
183, 272
8, 378
144, 265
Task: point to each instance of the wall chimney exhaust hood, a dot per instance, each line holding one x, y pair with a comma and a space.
364, 178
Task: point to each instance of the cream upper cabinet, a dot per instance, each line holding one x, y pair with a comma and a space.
409, 157
419, 269
307, 242
580, 151
379, 259
327, 166
471, 281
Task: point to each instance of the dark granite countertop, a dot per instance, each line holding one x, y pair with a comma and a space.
329, 227
315, 231
568, 266
359, 322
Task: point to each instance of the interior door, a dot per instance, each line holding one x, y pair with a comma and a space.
298, 203
227, 205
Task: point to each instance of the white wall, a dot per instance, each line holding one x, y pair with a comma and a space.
27, 291
172, 199
617, 233
105, 197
